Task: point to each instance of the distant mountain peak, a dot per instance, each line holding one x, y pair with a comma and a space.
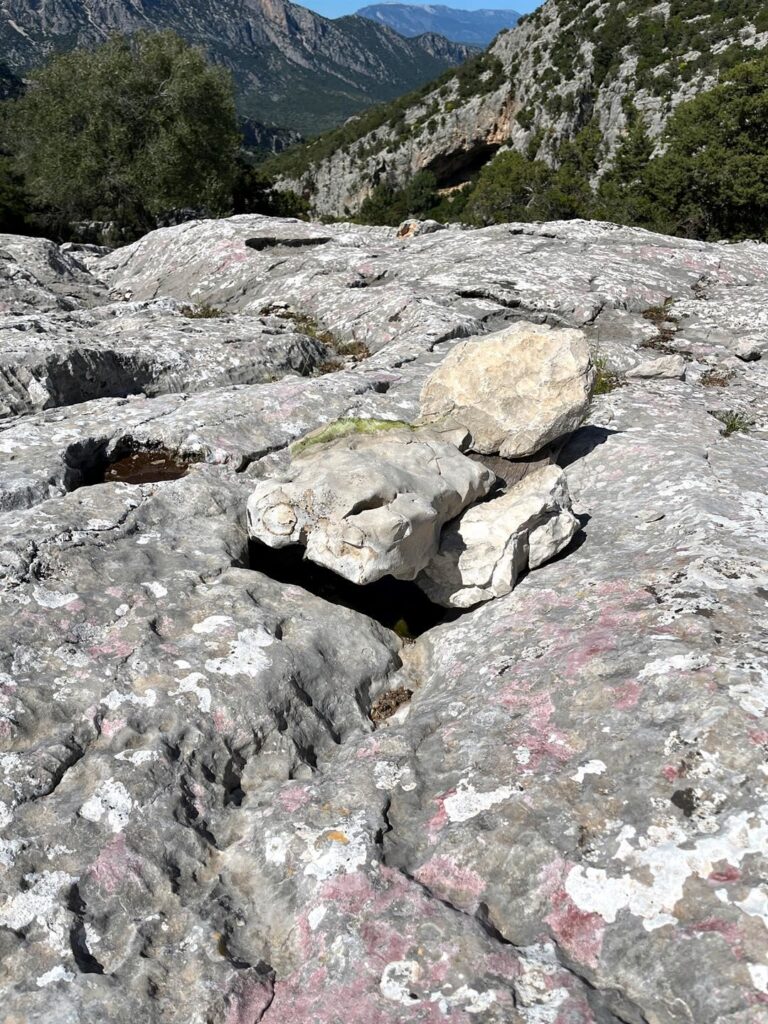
477, 28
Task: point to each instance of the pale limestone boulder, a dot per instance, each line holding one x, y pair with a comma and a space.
368, 505
663, 368
516, 390
484, 551
749, 350
413, 227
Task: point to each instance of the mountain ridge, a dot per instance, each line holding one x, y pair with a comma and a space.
291, 67
478, 28
558, 70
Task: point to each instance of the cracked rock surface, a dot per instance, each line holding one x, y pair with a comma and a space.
567, 823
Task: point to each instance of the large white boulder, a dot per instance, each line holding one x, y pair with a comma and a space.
483, 552
516, 390
368, 505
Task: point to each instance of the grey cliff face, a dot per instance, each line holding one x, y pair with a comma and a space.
544, 79
229, 795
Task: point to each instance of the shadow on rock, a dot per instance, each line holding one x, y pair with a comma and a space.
582, 442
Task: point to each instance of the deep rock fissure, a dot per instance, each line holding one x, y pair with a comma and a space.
397, 604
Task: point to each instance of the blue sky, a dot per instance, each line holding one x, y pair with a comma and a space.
335, 8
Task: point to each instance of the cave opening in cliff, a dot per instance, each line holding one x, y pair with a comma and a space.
460, 166
398, 605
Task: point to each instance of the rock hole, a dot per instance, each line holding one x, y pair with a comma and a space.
686, 800
369, 504
398, 605
88, 463
146, 467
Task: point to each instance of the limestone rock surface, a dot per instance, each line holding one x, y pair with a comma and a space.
516, 390
202, 818
483, 552
664, 368
368, 505
149, 347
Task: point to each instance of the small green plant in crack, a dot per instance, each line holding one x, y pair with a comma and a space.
306, 324
605, 380
343, 428
733, 421
202, 312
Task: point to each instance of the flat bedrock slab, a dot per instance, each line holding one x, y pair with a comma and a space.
663, 368
516, 390
485, 550
368, 506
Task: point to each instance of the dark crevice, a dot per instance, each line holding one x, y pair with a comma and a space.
268, 242
189, 814
608, 1006
397, 604
306, 699
85, 960
232, 781
73, 752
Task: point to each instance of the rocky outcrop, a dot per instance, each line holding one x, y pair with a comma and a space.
516, 391
558, 69
205, 814
368, 505
669, 367
282, 56
150, 347
484, 551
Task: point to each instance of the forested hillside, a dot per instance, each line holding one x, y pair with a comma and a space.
570, 84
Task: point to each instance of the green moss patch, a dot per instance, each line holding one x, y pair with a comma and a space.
343, 428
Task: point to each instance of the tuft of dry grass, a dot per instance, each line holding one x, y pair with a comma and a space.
717, 377
386, 704
202, 312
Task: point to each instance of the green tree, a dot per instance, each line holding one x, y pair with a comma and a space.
712, 180
387, 205
509, 188
127, 131
13, 201
621, 195
570, 193
254, 192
